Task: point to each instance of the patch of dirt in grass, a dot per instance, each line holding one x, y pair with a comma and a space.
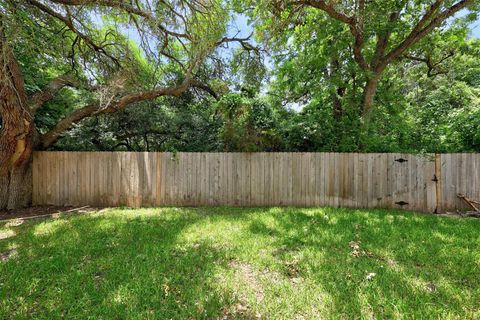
392, 263
98, 277
291, 266
5, 234
5, 256
281, 250
14, 223
357, 251
431, 287
248, 274
251, 277
355, 247
239, 312
293, 272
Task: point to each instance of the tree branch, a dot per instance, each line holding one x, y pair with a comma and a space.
329, 9
423, 28
11, 79
357, 47
242, 41
76, 116
205, 87
49, 91
432, 65
68, 22
382, 42
355, 26
128, 9
66, 123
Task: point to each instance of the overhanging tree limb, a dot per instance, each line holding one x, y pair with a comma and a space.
329, 8
382, 42
431, 65
69, 23
244, 42
424, 27
128, 9
177, 20
204, 87
76, 116
47, 93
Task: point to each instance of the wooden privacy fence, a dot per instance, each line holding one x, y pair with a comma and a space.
414, 182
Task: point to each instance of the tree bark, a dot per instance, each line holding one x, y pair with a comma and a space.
369, 94
16, 135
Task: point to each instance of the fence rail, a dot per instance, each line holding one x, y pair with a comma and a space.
413, 182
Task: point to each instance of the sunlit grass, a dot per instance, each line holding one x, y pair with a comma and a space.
241, 263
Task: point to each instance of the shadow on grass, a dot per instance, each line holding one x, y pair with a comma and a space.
405, 264
114, 267
151, 263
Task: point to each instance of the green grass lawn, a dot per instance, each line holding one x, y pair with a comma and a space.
242, 263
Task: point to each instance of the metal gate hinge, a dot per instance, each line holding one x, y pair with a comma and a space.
401, 160
401, 203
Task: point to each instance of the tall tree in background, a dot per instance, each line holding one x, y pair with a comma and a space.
86, 45
380, 33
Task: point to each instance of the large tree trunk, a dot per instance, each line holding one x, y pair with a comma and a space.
369, 94
16, 135
16, 146
16, 187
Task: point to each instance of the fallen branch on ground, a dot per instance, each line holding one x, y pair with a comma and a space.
471, 203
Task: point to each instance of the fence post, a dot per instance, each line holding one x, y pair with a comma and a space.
438, 183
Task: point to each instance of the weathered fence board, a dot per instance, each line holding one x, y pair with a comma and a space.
458, 174
422, 183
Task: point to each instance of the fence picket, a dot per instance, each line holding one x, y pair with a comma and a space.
256, 179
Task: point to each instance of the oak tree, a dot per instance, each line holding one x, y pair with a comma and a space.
112, 53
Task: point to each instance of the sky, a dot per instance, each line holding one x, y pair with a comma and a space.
240, 28
475, 27
241, 24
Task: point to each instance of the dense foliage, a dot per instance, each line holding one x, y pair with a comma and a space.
415, 113
301, 92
